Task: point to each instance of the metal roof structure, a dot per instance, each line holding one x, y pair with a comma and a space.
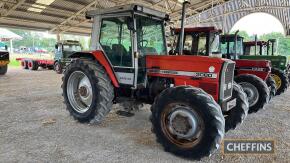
225, 16
68, 16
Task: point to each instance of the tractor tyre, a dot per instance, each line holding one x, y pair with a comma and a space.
256, 89
33, 65
3, 69
57, 68
187, 122
88, 91
272, 87
238, 114
24, 64
281, 80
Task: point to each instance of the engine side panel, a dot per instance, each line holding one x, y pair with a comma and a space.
260, 68
197, 71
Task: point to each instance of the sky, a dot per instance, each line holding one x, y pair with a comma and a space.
259, 23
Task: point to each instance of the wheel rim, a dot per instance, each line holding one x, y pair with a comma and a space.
252, 93
182, 125
277, 80
57, 67
79, 91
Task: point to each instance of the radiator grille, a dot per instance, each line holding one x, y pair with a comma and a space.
227, 80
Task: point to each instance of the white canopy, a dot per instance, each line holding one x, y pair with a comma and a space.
6, 35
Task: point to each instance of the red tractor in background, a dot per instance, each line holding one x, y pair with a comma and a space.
232, 48
249, 74
194, 99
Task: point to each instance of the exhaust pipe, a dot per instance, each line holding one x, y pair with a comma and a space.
182, 27
236, 45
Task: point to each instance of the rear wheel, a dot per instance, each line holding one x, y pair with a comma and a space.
87, 90
187, 122
3, 69
238, 114
57, 68
24, 64
32, 65
280, 79
256, 89
272, 86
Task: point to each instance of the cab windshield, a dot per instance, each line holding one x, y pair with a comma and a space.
72, 48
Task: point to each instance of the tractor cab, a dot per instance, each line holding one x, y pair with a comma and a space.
202, 41
271, 47
255, 48
127, 34
232, 46
63, 50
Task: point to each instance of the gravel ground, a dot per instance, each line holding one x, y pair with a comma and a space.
35, 127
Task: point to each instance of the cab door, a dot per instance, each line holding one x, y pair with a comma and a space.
117, 42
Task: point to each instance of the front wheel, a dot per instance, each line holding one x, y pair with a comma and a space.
57, 68
238, 114
88, 91
280, 79
187, 122
256, 89
3, 69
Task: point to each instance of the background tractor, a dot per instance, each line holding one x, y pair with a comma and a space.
261, 50
205, 41
63, 50
4, 59
191, 96
232, 48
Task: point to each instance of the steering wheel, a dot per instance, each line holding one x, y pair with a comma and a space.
143, 41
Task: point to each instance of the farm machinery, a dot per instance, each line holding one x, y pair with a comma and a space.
4, 60
232, 48
261, 50
63, 50
249, 74
33, 63
193, 98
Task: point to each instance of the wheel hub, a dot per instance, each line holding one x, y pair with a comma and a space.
183, 123
277, 80
251, 91
79, 91
83, 91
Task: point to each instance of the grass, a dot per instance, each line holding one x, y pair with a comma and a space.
14, 63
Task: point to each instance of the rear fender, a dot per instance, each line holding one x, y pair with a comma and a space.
102, 59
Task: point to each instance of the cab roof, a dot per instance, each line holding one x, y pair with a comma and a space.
198, 29
129, 8
253, 43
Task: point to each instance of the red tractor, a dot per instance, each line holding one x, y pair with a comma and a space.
194, 99
249, 74
232, 48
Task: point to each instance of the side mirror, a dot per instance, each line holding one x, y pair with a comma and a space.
56, 46
130, 24
6, 47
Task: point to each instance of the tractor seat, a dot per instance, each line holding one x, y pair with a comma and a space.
120, 55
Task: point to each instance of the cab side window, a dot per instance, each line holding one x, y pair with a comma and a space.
115, 40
